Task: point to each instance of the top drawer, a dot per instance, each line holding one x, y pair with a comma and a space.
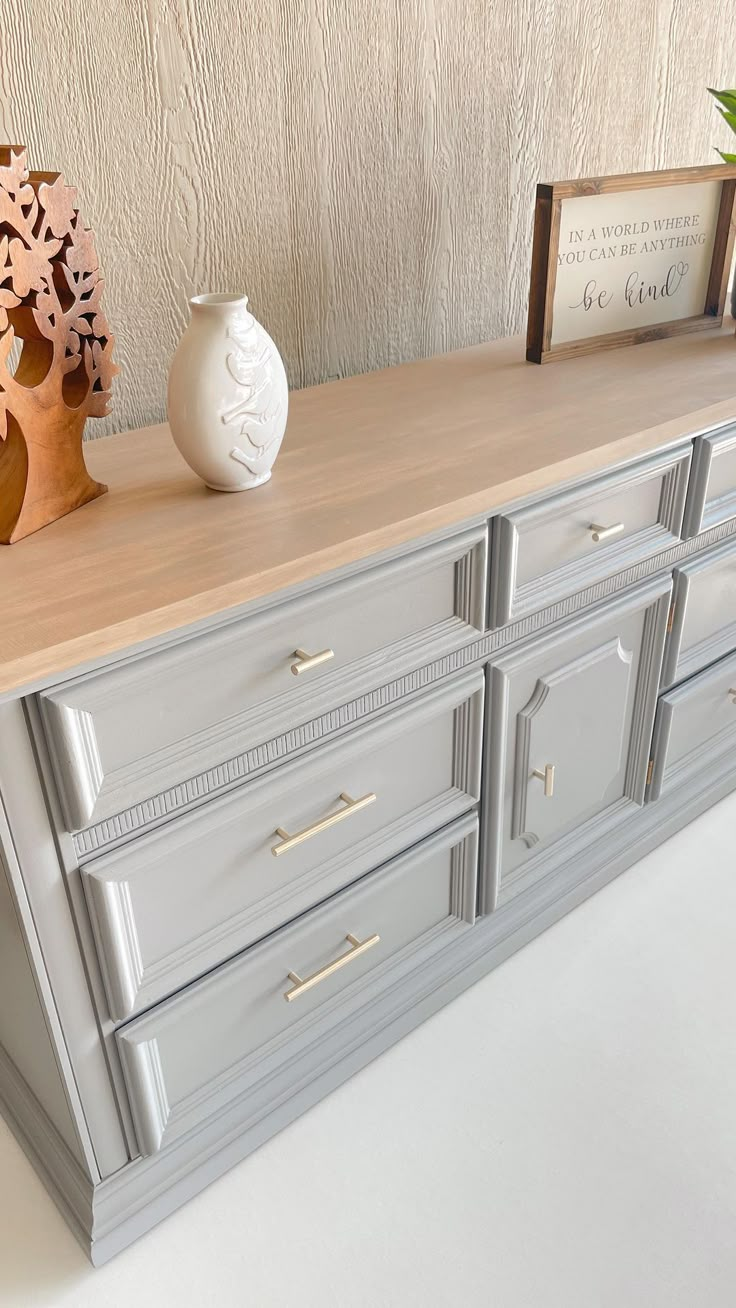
569, 541
121, 736
712, 495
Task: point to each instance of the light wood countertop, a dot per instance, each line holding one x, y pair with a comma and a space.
367, 463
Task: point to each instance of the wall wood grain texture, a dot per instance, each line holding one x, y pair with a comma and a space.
363, 169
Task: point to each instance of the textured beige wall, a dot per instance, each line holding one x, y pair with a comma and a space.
363, 169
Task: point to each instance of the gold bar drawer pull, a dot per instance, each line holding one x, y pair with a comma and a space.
288, 842
357, 947
306, 661
548, 777
600, 534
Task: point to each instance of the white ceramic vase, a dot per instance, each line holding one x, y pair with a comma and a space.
228, 396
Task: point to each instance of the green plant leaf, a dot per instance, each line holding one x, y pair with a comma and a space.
726, 98
729, 118
727, 158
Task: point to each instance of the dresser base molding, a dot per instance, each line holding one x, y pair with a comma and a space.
129, 1203
69, 1186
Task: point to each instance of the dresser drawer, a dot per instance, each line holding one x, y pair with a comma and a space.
124, 735
277, 1016
175, 903
703, 620
696, 722
569, 718
711, 498
570, 541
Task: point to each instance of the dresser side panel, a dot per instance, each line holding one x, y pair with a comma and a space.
24, 1034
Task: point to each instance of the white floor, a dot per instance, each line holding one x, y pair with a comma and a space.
562, 1136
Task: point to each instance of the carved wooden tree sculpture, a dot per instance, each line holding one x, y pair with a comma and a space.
50, 290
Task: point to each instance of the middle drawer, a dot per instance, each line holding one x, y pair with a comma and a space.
177, 902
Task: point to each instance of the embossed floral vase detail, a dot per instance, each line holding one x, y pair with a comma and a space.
228, 395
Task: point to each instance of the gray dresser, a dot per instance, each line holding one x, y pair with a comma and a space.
244, 853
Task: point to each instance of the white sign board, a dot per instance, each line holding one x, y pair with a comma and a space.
633, 258
627, 259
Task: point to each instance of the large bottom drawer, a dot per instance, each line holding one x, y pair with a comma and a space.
300, 999
695, 722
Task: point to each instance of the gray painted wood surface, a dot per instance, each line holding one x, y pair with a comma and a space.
124, 734
712, 492
229, 1034
174, 904
581, 700
52, 939
547, 549
24, 1034
696, 722
704, 619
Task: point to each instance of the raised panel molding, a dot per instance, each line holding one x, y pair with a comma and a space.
611, 654
506, 873
144, 816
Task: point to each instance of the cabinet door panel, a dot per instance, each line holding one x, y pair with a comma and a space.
569, 730
577, 717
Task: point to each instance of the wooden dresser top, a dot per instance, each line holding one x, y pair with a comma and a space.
367, 463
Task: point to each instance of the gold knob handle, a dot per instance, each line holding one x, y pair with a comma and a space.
306, 661
300, 986
288, 842
600, 534
548, 777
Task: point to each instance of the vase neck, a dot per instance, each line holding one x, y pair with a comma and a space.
219, 305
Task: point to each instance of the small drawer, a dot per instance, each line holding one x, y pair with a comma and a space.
703, 616
567, 542
122, 736
279, 1015
177, 902
696, 723
711, 498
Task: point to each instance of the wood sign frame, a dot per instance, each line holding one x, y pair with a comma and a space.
547, 259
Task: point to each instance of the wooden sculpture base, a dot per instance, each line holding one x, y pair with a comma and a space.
42, 479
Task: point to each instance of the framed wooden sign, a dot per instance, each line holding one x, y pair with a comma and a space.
621, 260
